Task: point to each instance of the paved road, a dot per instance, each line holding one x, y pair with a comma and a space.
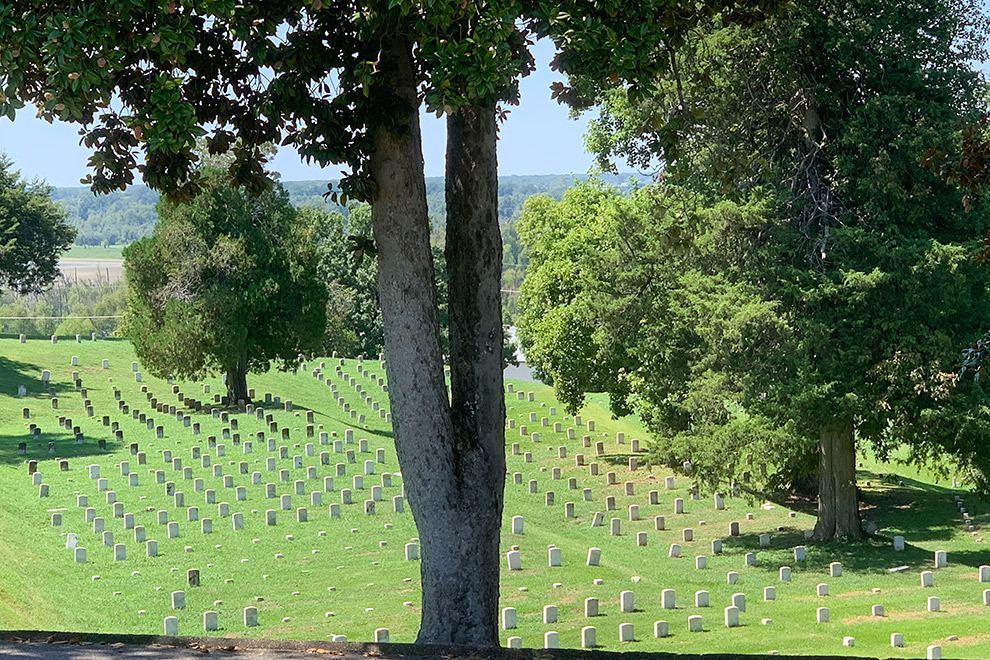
40, 651
147, 647
90, 651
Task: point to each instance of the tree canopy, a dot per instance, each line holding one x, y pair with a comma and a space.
227, 282
797, 278
33, 232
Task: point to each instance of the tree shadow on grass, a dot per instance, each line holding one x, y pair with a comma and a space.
37, 449
350, 423
919, 511
14, 373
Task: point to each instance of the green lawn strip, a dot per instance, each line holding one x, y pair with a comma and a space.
93, 252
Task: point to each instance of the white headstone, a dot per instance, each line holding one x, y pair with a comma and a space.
589, 639
251, 616
731, 616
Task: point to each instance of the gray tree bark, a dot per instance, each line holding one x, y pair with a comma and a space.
237, 381
453, 472
474, 268
838, 507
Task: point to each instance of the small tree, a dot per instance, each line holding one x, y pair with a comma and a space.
33, 233
227, 282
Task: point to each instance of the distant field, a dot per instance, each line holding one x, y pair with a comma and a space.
94, 252
348, 575
92, 263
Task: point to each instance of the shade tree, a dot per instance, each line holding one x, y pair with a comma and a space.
802, 283
33, 232
227, 282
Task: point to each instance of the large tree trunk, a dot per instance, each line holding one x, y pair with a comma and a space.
838, 508
237, 381
474, 270
452, 490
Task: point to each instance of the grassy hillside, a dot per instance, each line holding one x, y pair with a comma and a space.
348, 575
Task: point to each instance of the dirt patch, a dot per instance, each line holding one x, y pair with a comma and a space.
917, 614
855, 594
970, 639
92, 271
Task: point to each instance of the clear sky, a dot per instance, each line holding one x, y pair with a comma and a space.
538, 138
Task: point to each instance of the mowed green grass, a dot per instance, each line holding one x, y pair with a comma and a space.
94, 252
356, 570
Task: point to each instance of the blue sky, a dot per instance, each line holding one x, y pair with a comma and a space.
538, 138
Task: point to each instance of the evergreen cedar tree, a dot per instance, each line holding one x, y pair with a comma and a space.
227, 281
33, 233
798, 280
341, 82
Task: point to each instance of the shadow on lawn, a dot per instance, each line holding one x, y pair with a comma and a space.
65, 447
351, 423
920, 511
14, 373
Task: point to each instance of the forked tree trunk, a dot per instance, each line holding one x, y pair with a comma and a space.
838, 507
237, 381
474, 270
453, 493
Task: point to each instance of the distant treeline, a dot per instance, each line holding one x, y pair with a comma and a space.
122, 217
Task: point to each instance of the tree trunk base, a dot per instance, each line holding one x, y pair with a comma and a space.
838, 505
237, 389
